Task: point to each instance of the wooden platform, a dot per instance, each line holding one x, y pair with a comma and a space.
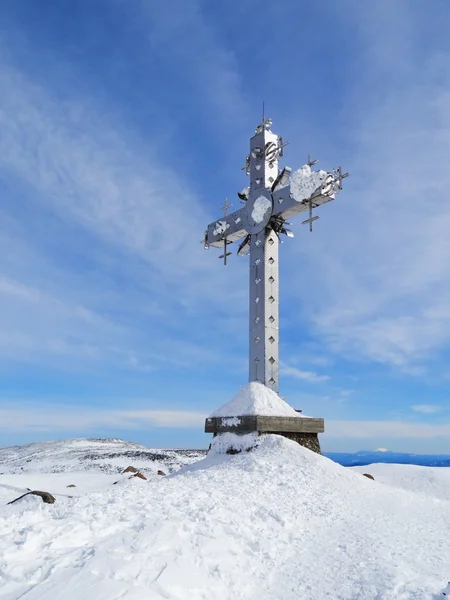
241, 425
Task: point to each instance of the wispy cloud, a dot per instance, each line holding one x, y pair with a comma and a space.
209, 65
384, 251
426, 408
96, 184
56, 418
296, 373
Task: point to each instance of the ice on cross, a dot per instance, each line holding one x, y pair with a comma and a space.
273, 196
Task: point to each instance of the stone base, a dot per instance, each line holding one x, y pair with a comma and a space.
307, 440
304, 431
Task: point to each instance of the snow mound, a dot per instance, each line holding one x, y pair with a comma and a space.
277, 523
254, 398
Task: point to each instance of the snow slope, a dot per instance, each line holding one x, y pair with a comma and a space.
94, 455
276, 523
431, 481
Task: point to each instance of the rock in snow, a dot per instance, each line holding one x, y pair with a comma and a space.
45, 496
254, 398
276, 523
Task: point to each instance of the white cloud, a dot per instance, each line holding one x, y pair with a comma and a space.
103, 186
29, 416
296, 373
182, 31
426, 408
382, 251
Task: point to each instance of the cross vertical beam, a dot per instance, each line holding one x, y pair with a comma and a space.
264, 311
272, 197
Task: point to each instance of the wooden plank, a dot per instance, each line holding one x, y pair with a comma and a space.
247, 424
233, 424
300, 425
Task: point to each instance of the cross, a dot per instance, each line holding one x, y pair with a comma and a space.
273, 196
225, 207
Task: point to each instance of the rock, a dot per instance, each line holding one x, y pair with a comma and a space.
369, 476
72, 485
161, 473
46, 497
131, 470
137, 474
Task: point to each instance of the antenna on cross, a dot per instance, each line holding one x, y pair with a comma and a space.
311, 162
225, 207
311, 218
225, 253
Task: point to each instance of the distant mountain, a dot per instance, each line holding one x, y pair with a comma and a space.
367, 457
103, 455
94, 455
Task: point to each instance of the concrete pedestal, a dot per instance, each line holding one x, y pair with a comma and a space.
302, 430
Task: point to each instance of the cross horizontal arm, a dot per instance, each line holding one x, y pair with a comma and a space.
318, 187
230, 227
287, 206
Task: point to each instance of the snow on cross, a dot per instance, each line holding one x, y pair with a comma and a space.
274, 195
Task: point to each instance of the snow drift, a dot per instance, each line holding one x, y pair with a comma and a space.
276, 523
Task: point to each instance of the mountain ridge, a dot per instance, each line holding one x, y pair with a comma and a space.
112, 455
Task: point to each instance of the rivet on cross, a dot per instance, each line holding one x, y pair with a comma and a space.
273, 196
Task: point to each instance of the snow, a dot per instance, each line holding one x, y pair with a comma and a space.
93, 455
254, 398
276, 523
432, 481
221, 227
231, 421
305, 181
260, 208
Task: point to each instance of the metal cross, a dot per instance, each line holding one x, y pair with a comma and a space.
273, 196
225, 207
311, 219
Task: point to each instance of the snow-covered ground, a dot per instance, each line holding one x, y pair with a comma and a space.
276, 523
94, 455
431, 481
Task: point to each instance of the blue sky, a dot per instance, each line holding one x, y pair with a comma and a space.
124, 125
